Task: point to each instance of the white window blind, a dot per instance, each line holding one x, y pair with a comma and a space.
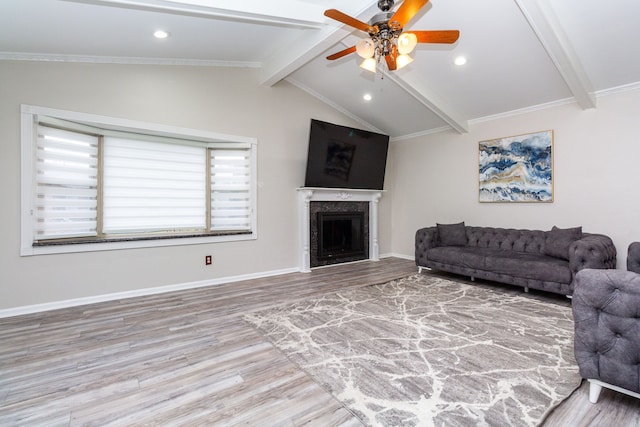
153, 186
230, 189
66, 180
92, 183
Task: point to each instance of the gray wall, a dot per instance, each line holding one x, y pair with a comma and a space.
429, 179
224, 100
596, 175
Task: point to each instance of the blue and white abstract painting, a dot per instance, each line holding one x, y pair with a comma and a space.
517, 169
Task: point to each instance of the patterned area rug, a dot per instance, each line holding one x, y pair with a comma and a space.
425, 351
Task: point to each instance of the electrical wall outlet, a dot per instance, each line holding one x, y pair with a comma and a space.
208, 260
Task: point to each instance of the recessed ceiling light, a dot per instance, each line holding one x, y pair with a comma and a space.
460, 60
160, 34
367, 97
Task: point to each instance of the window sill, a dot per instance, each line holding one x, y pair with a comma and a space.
131, 242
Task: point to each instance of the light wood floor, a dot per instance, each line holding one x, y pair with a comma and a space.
188, 358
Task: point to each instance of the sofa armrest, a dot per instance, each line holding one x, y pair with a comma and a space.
426, 238
592, 251
606, 312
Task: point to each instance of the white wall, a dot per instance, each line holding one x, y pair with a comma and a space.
221, 100
596, 156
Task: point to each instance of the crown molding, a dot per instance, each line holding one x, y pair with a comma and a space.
421, 133
418, 88
524, 110
332, 104
45, 57
599, 94
544, 23
618, 89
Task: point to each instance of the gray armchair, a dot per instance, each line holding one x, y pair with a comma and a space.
606, 312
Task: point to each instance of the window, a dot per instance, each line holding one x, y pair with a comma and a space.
151, 187
66, 172
94, 183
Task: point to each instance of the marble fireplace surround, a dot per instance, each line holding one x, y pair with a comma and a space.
306, 195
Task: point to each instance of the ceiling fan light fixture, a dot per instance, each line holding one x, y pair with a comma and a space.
407, 42
369, 64
366, 48
403, 60
386, 38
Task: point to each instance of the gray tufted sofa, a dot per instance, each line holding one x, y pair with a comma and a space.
544, 260
606, 312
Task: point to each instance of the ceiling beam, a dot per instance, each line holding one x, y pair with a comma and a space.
311, 44
544, 23
291, 13
421, 91
295, 55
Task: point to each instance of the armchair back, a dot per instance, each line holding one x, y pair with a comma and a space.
606, 311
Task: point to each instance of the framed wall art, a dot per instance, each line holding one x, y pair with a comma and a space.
517, 168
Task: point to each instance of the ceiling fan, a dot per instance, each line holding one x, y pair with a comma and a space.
386, 38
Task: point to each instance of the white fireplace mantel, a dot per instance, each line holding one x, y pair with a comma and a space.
306, 195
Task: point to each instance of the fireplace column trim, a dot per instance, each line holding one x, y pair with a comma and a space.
306, 195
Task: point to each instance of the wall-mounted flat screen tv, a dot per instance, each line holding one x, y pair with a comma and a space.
345, 157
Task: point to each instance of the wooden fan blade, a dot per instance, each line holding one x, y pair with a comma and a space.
445, 36
346, 19
407, 10
341, 53
391, 59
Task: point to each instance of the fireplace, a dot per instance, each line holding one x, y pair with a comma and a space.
335, 204
341, 236
339, 232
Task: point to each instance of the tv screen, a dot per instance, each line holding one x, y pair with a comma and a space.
345, 157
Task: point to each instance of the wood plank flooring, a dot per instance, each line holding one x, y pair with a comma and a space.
188, 358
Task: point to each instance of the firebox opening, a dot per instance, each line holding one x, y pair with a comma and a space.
340, 235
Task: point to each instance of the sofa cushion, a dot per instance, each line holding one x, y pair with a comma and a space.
518, 264
452, 234
633, 257
528, 265
558, 240
460, 256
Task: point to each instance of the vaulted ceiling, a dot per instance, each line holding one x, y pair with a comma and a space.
521, 54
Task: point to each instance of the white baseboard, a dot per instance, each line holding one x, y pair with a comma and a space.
55, 305
395, 255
